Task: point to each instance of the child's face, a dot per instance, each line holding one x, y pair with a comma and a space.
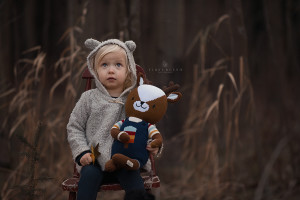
112, 71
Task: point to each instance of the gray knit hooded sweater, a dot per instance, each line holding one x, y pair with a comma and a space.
96, 111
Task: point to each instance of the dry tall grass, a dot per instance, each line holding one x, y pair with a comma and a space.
219, 138
223, 152
38, 109
211, 129
211, 135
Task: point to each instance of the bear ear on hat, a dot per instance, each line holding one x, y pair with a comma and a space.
91, 43
131, 45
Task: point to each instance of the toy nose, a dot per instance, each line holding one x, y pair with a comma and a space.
142, 102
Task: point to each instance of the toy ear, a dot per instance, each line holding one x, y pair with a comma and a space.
91, 43
174, 97
140, 79
131, 45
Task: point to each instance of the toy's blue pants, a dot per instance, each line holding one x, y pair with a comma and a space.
92, 177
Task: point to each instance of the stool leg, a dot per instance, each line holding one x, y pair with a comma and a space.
72, 196
156, 193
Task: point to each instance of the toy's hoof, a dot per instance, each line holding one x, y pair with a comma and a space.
110, 166
125, 162
124, 137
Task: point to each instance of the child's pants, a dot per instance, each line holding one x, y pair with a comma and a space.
92, 177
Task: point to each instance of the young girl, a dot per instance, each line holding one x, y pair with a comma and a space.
112, 64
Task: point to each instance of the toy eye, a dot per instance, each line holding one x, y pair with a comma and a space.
132, 98
153, 106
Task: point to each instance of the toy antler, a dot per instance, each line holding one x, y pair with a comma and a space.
171, 88
172, 96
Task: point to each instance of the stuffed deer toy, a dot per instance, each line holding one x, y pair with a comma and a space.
145, 106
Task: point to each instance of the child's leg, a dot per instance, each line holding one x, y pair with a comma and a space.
91, 177
130, 179
133, 184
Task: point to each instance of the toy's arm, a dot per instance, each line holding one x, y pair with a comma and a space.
157, 141
155, 136
115, 132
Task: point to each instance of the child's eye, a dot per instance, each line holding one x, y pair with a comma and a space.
119, 65
104, 65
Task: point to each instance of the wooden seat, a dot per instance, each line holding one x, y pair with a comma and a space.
71, 184
151, 180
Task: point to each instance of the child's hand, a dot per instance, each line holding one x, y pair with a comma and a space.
153, 151
86, 159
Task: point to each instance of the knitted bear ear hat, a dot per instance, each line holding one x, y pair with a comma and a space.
128, 46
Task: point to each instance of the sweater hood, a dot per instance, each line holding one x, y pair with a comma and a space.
128, 46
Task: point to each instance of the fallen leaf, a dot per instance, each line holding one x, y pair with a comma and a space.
95, 153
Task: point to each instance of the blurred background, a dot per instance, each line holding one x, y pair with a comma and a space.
235, 134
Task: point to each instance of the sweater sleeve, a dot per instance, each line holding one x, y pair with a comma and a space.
76, 127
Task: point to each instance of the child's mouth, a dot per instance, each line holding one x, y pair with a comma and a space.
111, 79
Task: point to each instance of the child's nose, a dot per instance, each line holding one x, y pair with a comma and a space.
111, 69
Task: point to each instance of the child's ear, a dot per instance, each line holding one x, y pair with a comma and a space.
174, 97
140, 79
